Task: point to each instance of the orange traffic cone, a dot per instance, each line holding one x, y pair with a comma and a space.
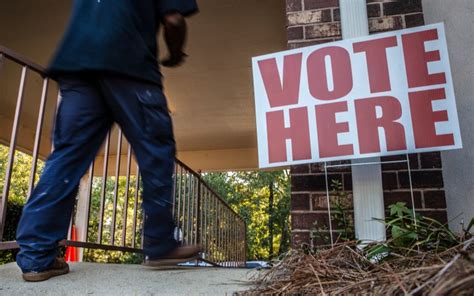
71, 252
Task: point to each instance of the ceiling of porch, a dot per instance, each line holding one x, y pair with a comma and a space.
210, 97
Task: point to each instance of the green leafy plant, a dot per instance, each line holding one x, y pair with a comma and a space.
341, 217
409, 233
14, 208
247, 192
20, 176
467, 230
341, 212
103, 256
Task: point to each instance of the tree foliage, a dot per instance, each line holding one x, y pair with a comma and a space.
21, 172
18, 192
96, 255
248, 194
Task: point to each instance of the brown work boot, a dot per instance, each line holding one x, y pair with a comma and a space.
59, 267
178, 255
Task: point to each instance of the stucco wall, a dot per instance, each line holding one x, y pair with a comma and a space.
458, 165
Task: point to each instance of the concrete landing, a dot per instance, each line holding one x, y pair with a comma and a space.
121, 279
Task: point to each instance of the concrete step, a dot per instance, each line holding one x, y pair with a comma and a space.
122, 279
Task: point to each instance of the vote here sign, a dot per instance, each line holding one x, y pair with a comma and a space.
384, 94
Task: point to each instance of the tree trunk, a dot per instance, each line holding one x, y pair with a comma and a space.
270, 221
284, 239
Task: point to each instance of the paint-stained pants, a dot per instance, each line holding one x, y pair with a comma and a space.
90, 104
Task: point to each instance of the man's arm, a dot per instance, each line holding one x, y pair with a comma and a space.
175, 38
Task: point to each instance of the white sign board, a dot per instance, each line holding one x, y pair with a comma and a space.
383, 94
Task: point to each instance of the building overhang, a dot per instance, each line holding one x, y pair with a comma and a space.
210, 97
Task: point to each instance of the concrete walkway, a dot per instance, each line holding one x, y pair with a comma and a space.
121, 279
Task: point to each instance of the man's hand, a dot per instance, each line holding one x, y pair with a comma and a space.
174, 60
175, 37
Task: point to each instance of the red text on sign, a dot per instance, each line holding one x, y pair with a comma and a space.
368, 124
417, 58
424, 119
377, 64
297, 132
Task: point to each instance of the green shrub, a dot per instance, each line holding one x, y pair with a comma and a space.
14, 208
103, 256
411, 233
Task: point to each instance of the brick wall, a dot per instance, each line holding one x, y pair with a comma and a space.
312, 22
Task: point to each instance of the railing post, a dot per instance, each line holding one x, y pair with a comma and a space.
118, 156
11, 152
82, 211
245, 243
184, 203
135, 206
127, 189
205, 223
199, 210
103, 190
175, 184
39, 128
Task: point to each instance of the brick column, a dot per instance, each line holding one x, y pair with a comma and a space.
312, 22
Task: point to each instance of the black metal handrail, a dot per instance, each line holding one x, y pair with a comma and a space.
201, 215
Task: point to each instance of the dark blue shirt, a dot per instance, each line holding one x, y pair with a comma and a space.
117, 36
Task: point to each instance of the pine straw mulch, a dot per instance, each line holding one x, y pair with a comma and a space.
343, 270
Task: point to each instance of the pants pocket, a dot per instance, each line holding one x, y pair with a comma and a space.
156, 118
65, 125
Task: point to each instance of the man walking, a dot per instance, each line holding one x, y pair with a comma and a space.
107, 71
